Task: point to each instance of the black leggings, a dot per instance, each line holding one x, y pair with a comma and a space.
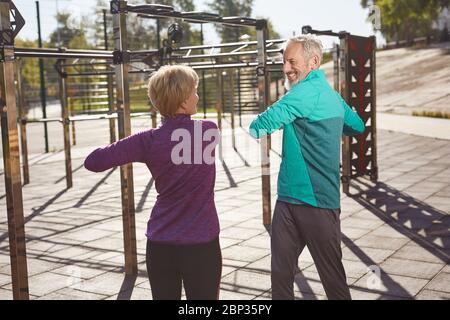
198, 267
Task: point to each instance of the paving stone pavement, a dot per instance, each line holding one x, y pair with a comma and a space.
396, 233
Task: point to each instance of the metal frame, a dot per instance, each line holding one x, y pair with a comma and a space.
121, 57
358, 64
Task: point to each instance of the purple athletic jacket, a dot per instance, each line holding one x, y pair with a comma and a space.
184, 172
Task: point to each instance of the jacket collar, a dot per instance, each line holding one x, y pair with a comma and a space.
314, 74
177, 117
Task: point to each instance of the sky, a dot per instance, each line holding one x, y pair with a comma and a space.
288, 16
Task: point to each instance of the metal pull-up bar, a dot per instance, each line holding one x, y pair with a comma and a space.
309, 29
147, 11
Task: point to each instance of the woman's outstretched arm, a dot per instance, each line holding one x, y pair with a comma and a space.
131, 149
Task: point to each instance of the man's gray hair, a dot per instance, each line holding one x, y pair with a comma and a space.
311, 45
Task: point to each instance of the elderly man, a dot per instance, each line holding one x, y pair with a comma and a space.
314, 118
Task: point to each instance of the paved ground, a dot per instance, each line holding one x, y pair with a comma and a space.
399, 227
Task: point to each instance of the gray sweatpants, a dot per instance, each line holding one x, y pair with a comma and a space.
295, 226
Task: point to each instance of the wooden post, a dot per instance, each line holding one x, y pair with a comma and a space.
344, 79
233, 135
11, 159
62, 81
22, 124
263, 102
72, 113
219, 108
124, 122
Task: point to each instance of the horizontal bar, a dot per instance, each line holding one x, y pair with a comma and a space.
230, 21
149, 8
59, 54
309, 29
62, 55
193, 65
221, 55
216, 46
231, 65
87, 117
85, 74
102, 96
58, 50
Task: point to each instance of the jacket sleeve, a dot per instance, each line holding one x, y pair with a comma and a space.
353, 125
297, 103
130, 149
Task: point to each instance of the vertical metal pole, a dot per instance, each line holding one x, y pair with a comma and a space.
277, 88
42, 79
344, 76
203, 76
72, 113
204, 93
158, 34
23, 125
124, 122
373, 80
336, 57
11, 162
154, 113
112, 122
233, 136
105, 30
239, 98
270, 102
264, 101
222, 95
219, 107
62, 81
154, 116
110, 88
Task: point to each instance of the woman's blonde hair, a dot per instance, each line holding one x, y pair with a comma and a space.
170, 86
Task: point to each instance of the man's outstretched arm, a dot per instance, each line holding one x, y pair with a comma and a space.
298, 103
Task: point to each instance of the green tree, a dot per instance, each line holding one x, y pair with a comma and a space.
191, 36
68, 29
231, 8
271, 32
95, 25
406, 19
142, 32
29, 67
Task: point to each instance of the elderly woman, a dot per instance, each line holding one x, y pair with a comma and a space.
183, 230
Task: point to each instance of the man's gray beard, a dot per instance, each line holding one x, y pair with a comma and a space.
288, 85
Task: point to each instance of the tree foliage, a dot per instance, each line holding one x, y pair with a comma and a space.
407, 19
231, 8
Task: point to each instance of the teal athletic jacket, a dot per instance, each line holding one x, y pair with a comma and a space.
314, 118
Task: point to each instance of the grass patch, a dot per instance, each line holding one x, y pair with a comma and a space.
432, 114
